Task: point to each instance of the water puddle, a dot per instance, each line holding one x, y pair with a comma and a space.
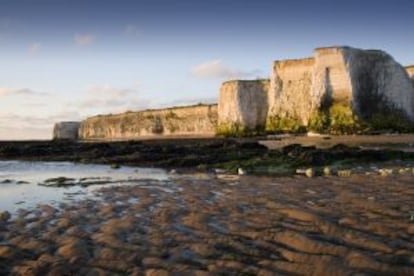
26, 184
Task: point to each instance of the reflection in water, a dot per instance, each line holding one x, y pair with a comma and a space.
19, 181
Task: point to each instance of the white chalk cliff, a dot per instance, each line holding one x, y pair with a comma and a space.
369, 81
338, 90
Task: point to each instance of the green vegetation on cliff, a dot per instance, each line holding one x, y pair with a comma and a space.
284, 124
339, 119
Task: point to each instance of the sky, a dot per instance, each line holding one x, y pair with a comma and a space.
63, 60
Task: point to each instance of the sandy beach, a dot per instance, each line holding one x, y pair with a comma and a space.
207, 224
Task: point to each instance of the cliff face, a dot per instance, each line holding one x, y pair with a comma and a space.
289, 89
200, 120
410, 71
340, 89
379, 84
66, 130
242, 105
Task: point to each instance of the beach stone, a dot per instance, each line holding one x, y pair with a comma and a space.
385, 172
4, 216
327, 170
404, 170
344, 173
310, 172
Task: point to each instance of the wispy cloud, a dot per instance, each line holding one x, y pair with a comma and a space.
25, 133
109, 99
217, 69
24, 127
132, 31
84, 39
19, 92
38, 121
34, 48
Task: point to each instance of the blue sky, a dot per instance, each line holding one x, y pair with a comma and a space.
65, 60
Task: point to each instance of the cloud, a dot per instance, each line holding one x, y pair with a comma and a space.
25, 133
4, 92
132, 30
109, 99
26, 127
37, 121
84, 39
34, 48
217, 69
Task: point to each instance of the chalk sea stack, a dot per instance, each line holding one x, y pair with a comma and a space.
66, 131
242, 106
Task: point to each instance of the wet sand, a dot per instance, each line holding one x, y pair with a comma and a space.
222, 225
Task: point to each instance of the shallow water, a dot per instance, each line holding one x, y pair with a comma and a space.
19, 181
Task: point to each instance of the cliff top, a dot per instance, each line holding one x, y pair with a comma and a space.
68, 122
333, 49
155, 110
247, 81
295, 62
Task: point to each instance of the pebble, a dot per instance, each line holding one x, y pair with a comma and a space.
309, 172
344, 173
385, 172
327, 171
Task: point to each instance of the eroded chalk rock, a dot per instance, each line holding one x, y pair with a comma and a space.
197, 120
242, 106
66, 131
341, 90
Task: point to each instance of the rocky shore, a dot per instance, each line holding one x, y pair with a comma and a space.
207, 155
228, 207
